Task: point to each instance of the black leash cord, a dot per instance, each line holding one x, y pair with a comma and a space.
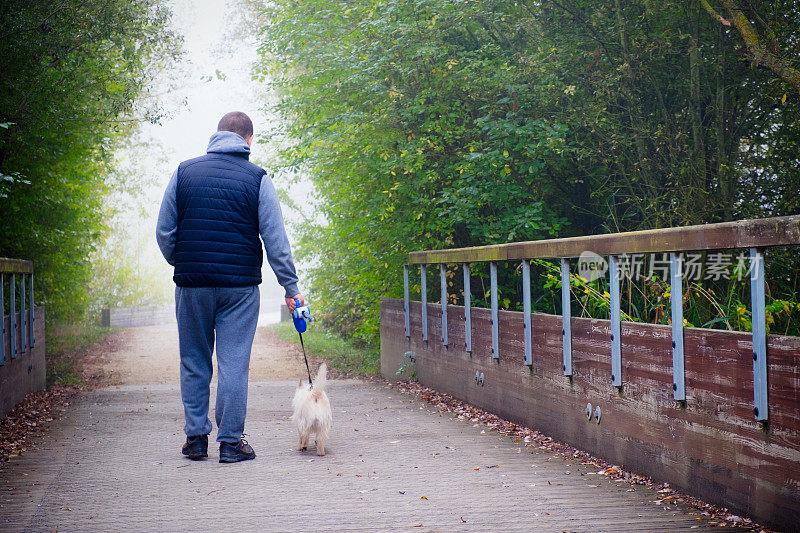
310, 384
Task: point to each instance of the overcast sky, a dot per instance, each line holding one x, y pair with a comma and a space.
217, 80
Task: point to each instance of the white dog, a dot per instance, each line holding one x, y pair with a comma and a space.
312, 411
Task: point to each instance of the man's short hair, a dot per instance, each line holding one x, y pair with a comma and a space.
237, 122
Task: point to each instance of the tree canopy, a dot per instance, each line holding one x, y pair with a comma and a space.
75, 82
431, 124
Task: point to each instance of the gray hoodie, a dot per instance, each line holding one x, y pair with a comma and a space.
270, 218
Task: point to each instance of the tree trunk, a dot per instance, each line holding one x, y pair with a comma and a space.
650, 218
759, 53
699, 171
724, 174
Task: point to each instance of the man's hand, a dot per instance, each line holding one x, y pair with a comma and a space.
290, 302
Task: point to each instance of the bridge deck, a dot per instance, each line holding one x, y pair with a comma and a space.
113, 463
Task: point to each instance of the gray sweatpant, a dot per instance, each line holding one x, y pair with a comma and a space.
231, 312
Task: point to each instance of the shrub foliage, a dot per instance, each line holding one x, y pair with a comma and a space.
434, 124
74, 84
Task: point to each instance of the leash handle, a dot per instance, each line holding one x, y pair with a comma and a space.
301, 316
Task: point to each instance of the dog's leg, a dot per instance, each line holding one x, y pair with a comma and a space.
304, 441
322, 436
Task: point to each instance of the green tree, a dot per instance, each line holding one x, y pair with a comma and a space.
433, 124
73, 87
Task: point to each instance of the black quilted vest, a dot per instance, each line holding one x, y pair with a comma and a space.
217, 243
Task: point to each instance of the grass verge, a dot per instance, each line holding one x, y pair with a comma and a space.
64, 344
333, 348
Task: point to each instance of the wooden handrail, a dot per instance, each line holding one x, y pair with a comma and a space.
15, 266
753, 233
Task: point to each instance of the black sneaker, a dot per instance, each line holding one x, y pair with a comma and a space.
196, 447
230, 452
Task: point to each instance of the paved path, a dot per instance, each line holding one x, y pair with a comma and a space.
148, 355
393, 463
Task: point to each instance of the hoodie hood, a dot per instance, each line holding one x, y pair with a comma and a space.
227, 142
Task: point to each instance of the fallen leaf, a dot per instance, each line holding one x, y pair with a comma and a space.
538, 441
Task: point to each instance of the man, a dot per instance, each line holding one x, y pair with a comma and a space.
213, 211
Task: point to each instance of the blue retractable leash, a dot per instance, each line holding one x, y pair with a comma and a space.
302, 316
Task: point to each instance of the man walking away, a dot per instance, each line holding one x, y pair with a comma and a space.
213, 211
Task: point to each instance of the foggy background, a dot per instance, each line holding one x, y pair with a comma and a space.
213, 80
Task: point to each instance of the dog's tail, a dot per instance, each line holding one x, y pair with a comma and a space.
322, 378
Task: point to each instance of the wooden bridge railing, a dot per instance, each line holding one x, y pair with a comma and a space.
749, 234
22, 362
714, 412
18, 272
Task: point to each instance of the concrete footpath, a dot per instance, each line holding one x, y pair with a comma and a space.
394, 463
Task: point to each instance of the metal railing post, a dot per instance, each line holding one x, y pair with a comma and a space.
495, 317
566, 317
33, 317
443, 286
526, 312
467, 310
676, 297
616, 347
12, 326
23, 323
2, 320
759, 319
424, 297
406, 302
